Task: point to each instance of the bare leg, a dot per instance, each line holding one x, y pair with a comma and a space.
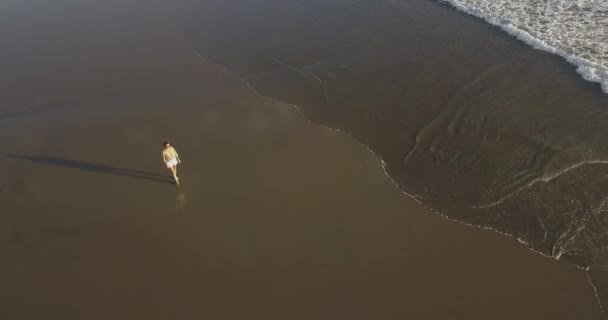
174, 171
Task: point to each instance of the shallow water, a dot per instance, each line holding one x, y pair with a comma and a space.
575, 30
469, 121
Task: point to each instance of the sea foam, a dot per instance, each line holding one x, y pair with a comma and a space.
577, 30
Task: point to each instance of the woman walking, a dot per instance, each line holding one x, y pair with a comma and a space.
171, 159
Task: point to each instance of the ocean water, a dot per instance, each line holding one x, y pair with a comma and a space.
574, 29
469, 121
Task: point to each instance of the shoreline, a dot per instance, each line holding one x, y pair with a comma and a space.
278, 217
582, 65
285, 85
420, 202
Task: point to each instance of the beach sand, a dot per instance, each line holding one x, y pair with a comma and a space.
276, 218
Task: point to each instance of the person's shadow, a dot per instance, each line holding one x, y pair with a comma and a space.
92, 167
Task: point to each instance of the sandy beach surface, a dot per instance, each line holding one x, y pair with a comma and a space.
276, 218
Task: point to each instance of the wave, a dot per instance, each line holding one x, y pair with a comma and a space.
574, 30
485, 149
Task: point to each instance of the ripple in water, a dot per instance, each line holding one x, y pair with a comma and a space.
575, 30
467, 121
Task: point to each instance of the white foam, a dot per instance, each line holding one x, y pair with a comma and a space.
574, 30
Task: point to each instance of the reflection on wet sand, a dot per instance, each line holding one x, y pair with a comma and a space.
180, 198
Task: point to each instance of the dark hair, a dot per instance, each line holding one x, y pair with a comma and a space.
165, 143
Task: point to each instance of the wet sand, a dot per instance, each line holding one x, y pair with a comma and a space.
472, 122
277, 218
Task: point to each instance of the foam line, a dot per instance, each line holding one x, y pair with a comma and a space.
590, 70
